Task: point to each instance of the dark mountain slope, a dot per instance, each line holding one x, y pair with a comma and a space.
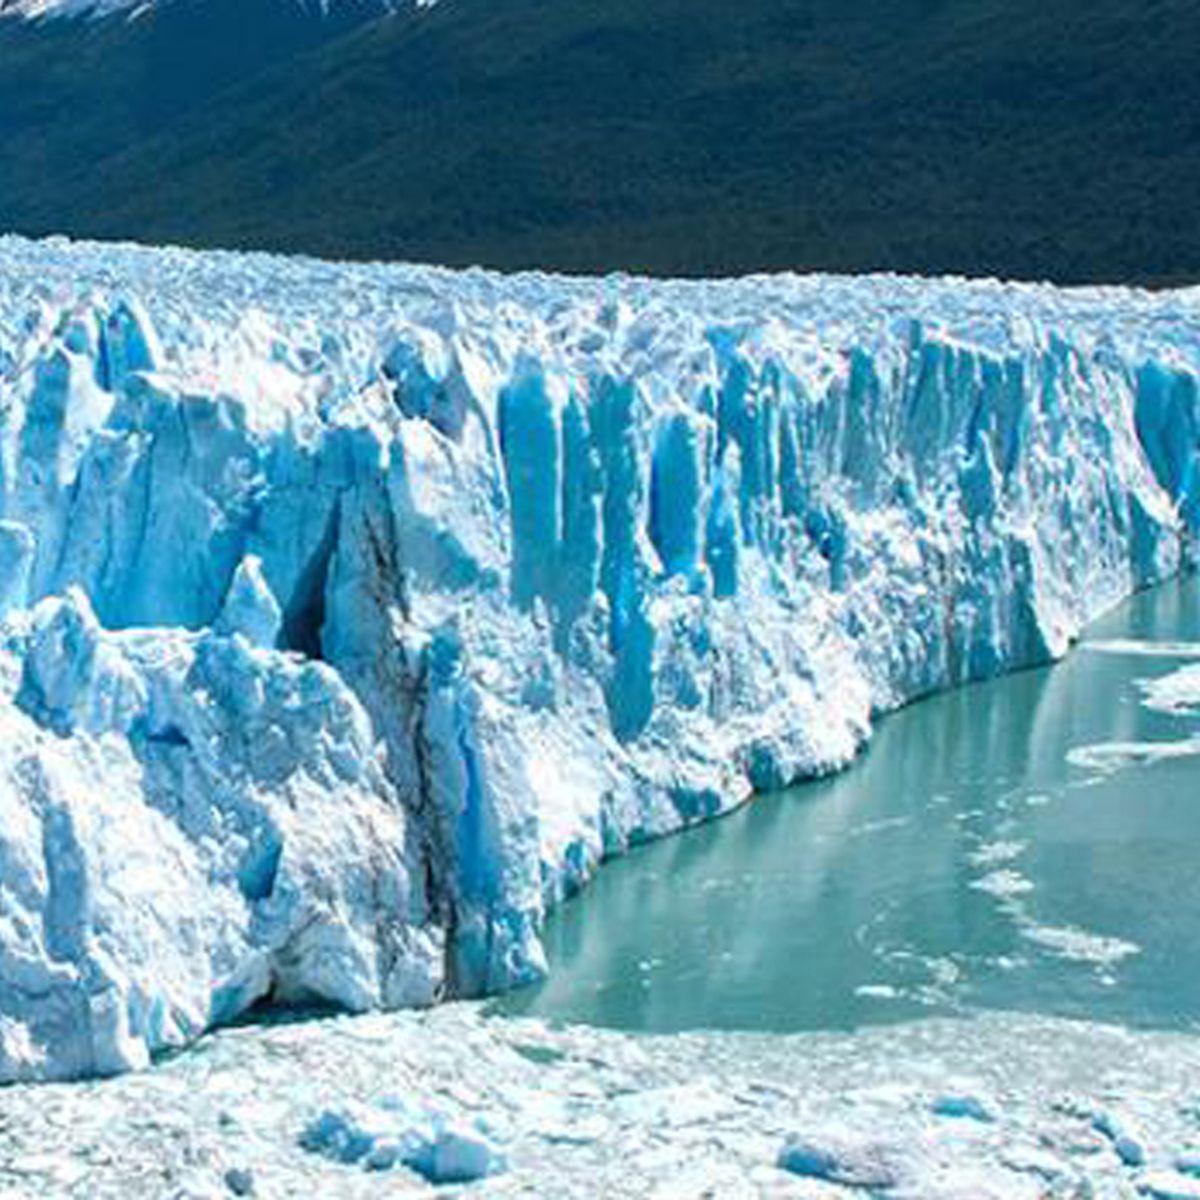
1027, 138
76, 93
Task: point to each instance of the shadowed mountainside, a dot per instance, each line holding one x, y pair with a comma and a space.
1025, 139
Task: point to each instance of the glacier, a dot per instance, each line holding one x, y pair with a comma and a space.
354, 614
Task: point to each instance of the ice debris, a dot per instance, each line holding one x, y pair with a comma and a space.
1177, 694
845, 1158
1127, 1142
395, 1133
1169, 1185
557, 1098
962, 1105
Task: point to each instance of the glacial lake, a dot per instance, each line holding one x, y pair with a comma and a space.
1026, 844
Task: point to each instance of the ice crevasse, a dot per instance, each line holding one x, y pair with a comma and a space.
352, 615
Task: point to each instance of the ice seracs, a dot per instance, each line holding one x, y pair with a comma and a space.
355, 614
190, 826
250, 609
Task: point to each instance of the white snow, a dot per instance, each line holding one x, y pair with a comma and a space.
356, 613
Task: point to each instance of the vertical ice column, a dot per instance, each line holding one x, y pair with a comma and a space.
18, 548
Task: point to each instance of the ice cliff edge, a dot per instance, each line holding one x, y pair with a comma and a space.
352, 615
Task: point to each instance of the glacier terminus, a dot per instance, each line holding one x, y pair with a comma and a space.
353, 615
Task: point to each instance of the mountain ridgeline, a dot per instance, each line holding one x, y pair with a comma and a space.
1022, 138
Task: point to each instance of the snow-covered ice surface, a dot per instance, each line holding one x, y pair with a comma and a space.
995, 1107
356, 613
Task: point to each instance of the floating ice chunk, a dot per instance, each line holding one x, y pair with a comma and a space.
1169, 1185
995, 854
1128, 1142
460, 1154
1177, 694
380, 1138
963, 1106
1107, 758
1143, 649
1078, 945
878, 991
343, 1136
1003, 884
1188, 1162
844, 1158
240, 1181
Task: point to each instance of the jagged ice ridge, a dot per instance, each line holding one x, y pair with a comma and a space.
353, 615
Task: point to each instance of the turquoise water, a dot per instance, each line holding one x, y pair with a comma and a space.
993, 850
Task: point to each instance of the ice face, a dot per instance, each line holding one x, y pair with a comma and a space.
190, 825
355, 614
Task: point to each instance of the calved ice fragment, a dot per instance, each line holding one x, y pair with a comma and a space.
846, 1158
441, 1148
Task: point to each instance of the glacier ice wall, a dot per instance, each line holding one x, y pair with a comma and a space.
353, 615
